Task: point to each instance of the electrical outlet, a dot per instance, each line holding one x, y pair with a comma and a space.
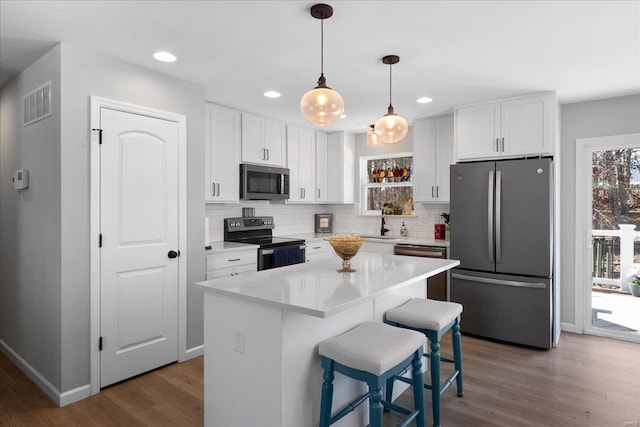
238, 341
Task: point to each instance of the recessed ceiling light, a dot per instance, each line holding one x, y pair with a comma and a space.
342, 116
272, 94
164, 56
423, 100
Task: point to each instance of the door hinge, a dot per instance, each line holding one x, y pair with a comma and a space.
100, 344
99, 135
100, 241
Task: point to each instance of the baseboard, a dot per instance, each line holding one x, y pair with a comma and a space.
60, 399
568, 327
193, 352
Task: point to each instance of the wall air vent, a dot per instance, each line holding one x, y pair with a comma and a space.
37, 104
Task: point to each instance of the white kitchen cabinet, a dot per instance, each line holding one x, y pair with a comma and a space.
322, 166
222, 154
432, 156
230, 263
301, 161
512, 127
377, 247
342, 167
317, 250
263, 140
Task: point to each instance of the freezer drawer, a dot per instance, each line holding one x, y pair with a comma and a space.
508, 308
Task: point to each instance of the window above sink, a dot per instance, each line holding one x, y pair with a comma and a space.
386, 183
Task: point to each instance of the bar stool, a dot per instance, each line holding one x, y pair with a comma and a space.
373, 353
432, 318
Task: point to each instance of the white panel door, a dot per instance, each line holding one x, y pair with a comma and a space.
139, 228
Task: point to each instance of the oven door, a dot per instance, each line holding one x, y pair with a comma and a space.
280, 256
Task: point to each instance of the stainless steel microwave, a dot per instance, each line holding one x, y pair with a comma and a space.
263, 182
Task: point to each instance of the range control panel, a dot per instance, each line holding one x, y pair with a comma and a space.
252, 223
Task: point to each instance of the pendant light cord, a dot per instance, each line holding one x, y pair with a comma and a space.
322, 47
390, 104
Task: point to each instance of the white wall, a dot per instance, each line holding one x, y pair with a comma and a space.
605, 117
30, 278
44, 287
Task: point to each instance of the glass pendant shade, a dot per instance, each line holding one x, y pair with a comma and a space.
372, 138
391, 128
321, 106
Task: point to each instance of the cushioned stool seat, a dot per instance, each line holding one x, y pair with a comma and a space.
432, 318
373, 353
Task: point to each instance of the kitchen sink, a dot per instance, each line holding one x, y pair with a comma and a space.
377, 237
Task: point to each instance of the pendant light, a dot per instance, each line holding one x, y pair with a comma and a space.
321, 106
372, 138
391, 127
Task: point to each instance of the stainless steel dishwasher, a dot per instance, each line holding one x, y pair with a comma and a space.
436, 285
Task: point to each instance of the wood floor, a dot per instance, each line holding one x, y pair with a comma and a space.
586, 381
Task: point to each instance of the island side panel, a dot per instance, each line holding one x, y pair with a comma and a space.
302, 374
242, 389
395, 299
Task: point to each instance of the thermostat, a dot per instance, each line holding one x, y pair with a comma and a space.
21, 179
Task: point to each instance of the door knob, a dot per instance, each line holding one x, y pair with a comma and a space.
172, 254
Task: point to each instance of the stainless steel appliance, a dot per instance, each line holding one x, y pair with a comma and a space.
263, 182
436, 285
502, 233
273, 251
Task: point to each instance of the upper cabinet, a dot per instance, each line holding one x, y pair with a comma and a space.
512, 127
432, 155
263, 140
341, 175
301, 161
322, 166
222, 154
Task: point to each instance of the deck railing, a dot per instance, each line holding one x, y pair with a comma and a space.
614, 263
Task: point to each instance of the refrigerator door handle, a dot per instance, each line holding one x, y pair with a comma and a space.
498, 216
490, 217
535, 285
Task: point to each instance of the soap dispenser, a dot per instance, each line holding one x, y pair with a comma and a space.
403, 230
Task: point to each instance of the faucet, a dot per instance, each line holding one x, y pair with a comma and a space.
383, 229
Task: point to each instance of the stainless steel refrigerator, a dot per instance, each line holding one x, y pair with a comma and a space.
502, 233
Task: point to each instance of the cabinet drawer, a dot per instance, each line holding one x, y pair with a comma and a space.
231, 259
318, 249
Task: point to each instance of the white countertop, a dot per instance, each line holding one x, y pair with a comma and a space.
391, 239
317, 289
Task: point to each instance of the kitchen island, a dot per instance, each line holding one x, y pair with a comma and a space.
262, 329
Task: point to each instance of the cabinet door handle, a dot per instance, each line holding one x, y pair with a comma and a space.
304, 193
437, 192
503, 145
318, 196
213, 189
497, 144
234, 259
267, 154
432, 195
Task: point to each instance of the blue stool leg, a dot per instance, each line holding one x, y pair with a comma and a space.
435, 381
418, 389
457, 356
327, 392
388, 390
375, 407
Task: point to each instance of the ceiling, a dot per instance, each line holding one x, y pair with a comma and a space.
455, 52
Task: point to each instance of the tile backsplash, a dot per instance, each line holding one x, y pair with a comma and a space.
299, 219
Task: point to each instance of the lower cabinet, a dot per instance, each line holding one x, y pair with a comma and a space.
317, 250
383, 248
230, 263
